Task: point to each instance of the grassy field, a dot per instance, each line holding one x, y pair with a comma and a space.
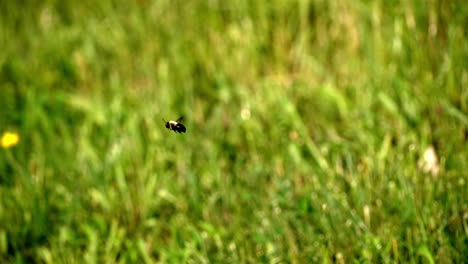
317, 131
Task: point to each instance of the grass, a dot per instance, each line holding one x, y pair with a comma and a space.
306, 124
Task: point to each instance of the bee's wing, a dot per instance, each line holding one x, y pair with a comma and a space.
180, 119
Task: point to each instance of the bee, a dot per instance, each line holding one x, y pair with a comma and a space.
176, 126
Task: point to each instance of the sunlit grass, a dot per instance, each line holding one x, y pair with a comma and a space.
317, 131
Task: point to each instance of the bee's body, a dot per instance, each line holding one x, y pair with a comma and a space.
176, 126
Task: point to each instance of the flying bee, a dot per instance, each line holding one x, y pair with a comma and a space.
176, 126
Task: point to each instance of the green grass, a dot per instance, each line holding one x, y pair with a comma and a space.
306, 122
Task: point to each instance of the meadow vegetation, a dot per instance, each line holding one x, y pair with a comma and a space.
307, 123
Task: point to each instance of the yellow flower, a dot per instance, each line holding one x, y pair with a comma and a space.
9, 139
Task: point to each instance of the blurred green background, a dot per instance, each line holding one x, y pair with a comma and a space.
309, 130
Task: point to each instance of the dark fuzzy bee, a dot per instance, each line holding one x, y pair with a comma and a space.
176, 126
